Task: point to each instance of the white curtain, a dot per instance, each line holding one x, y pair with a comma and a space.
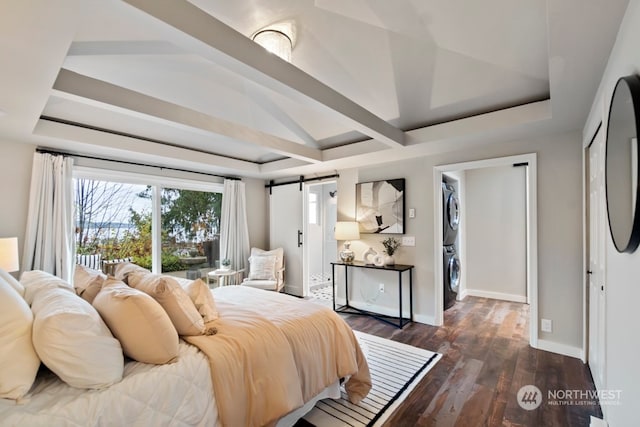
234, 232
49, 238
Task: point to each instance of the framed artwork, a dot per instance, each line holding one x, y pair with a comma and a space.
380, 206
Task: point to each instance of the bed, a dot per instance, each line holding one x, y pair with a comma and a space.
272, 358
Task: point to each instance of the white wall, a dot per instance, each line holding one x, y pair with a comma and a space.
496, 228
622, 371
15, 175
559, 226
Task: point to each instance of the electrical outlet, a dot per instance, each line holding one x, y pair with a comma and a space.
546, 325
381, 288
408, 241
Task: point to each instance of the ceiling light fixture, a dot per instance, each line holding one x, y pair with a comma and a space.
278, 39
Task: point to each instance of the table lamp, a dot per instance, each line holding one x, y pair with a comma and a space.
347, 231
9, 261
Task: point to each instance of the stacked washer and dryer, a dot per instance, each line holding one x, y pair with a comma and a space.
451, 223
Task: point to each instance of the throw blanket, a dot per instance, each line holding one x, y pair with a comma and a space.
273, 352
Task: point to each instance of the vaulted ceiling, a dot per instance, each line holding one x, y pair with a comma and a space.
180, 83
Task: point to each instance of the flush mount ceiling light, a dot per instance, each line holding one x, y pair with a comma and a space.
278, 39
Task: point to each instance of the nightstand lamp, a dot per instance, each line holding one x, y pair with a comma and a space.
347, 231
9, 261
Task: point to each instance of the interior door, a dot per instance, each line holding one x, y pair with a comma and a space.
597, 246
285, 231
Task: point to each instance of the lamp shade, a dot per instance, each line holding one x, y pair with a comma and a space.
9, 254
347, 230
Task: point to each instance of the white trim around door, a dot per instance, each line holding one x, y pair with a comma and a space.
532, 232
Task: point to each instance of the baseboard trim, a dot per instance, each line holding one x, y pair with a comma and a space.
559, 348
495, 295
386, 311
423, 318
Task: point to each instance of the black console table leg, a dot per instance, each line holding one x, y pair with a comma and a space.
333, 285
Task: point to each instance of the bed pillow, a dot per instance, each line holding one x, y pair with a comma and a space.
19, 362
87, 282
36, 280
202, 299
262, 267
175, 301
12, 281
73, 341
139, 322
122, 271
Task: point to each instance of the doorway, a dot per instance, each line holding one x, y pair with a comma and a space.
320, 246
530, 234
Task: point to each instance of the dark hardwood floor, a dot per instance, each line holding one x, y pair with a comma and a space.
486, 360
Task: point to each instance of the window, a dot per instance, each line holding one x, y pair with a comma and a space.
170, 226
190, 228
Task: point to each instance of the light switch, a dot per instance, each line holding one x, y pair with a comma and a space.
412, 213
408, 241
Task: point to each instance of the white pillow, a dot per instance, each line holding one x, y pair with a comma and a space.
278, 253
262, 267
19, 362
36, 280
13, 282
202, 298
72, 340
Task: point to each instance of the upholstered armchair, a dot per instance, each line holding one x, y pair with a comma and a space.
266, 269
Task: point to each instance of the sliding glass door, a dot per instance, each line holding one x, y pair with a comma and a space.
171, 228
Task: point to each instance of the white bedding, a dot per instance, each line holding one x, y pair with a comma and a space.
145, 397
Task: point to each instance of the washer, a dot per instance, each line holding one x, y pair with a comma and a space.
450, 275
450, 214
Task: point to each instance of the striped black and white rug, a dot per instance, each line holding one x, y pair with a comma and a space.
396, 369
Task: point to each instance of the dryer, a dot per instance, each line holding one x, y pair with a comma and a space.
450, 275
450, 214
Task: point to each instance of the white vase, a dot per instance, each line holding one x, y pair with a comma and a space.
388, 260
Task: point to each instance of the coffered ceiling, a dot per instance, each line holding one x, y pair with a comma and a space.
180, 83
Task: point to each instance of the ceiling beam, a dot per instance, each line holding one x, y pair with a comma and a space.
446, 137
83, 140
264, 68
78, 85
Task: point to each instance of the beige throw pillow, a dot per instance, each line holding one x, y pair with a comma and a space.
73, 341
87, 282
262, 267
19, 362
139, 322
122, 271
202, 298
175, 301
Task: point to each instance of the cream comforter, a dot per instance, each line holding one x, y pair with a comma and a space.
273, 352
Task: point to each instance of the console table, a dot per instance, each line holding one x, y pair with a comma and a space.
399, 321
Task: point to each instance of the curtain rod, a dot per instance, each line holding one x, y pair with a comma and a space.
126, 162
300, 180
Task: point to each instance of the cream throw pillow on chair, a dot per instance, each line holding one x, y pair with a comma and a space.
262, 267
